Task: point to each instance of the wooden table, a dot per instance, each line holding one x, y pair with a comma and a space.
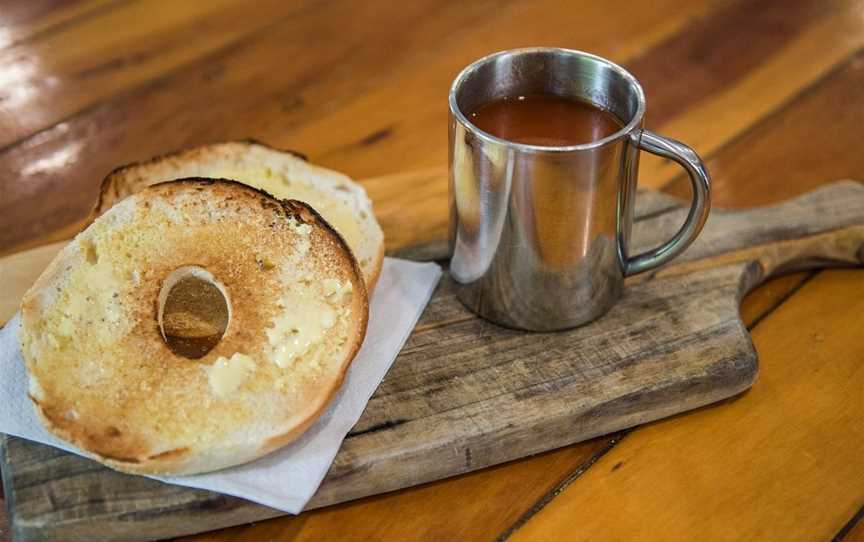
770, 93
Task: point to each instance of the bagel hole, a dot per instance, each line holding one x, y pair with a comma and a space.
194, 313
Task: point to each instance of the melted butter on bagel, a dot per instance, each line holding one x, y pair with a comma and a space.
298, 332
228, 374
102, 376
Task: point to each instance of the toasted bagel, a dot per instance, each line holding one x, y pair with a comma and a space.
102, 373
284, 174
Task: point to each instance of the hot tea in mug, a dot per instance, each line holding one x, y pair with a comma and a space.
545, 119
544, 155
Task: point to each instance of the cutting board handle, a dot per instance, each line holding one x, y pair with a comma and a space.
823, 228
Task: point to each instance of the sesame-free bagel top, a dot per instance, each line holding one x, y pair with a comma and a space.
286, 175
102, 375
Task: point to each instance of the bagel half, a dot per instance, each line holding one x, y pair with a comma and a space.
284, 174
102, 376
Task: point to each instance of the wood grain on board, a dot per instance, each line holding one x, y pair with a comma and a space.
718, 75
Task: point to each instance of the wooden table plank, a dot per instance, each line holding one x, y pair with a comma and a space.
45, 81
812, 54
812, 141
25, 20
334, 104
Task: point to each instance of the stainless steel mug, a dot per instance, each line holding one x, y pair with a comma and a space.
540, 236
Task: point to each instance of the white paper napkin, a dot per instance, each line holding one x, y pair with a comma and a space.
287, 478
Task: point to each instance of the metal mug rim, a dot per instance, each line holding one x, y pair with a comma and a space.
525, 147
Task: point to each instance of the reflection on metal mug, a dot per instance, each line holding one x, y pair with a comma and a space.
540, 235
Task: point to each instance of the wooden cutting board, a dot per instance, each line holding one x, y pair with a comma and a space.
465, 394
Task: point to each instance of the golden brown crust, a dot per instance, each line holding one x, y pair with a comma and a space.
113, 189
102, 431
367, 241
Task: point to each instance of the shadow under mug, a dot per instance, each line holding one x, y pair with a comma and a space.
540, 236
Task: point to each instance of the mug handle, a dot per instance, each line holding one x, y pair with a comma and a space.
701, 205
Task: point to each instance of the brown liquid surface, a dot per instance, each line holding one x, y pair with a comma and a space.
545, 119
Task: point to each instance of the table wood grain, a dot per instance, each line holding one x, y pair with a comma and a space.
769, 92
